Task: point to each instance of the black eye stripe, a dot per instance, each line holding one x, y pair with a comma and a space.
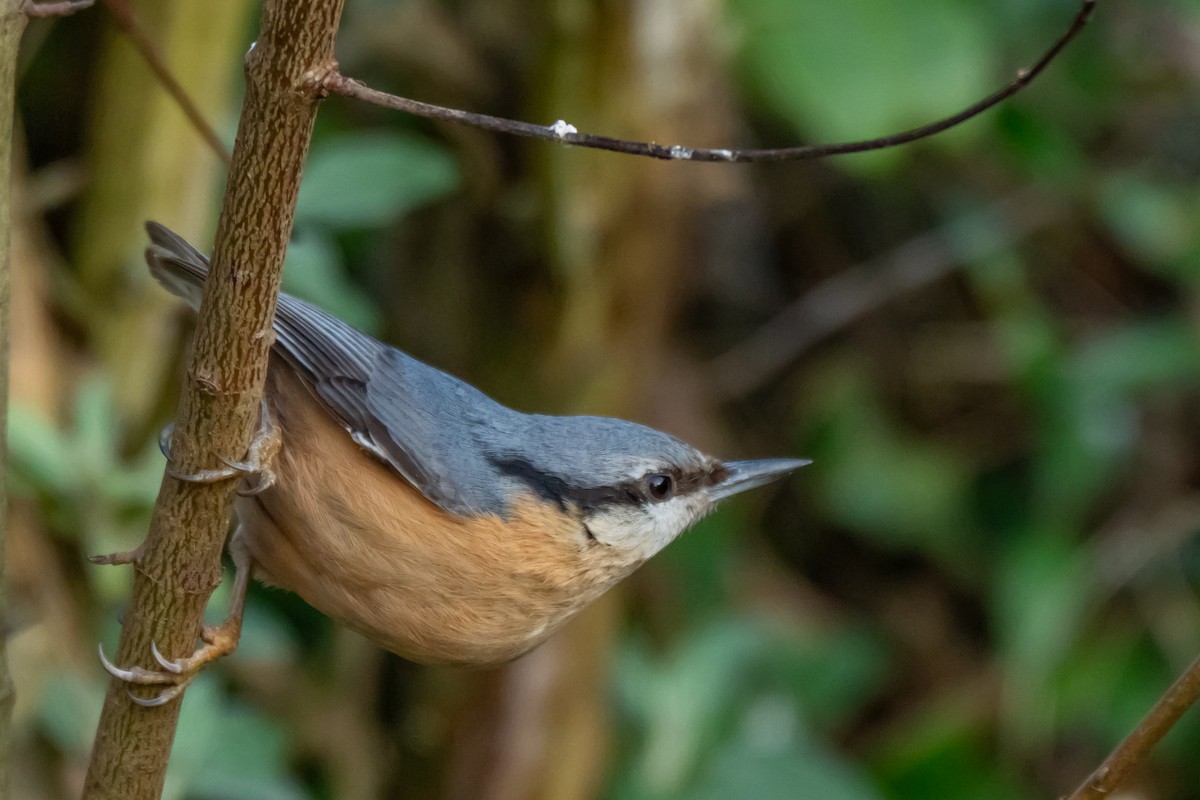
654, 487
555, 489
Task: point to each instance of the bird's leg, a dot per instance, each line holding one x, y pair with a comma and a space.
219, 641
258, 462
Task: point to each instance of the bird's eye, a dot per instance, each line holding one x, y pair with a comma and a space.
659, 486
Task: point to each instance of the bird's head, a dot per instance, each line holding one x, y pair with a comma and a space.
632, 488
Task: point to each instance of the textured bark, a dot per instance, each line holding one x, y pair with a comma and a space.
181, 560
12, 23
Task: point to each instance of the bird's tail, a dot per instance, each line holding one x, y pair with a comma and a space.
178, 266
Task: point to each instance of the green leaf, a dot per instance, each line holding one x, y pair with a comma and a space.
1109, 681
1087, 408
68, 710
878, 480
765, 764
315, 273
679, 701
831, 674
39, 453
363, 180
225, 751
1155, 221
692, 703
1140, 356
698, 562
95, 427
1043, 591
946, 750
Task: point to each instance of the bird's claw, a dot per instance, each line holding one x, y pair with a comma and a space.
263, 449
204, 475
176, 674
219, 640
174, 667
175, 682
256, 465
164, 439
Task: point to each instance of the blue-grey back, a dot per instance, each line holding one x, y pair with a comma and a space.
458, 447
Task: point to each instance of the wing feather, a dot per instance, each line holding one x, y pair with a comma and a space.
416, 419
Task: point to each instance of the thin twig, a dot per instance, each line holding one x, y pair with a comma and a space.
129, 24
562, 131
1162, 717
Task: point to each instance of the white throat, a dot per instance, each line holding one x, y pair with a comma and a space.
641, 531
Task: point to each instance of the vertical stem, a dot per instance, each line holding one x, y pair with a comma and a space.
12, 23
180, 563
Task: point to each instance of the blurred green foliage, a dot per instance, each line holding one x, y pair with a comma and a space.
366, 179
984, 579
800, 63
88, 490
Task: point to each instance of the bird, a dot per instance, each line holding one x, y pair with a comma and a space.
411, 507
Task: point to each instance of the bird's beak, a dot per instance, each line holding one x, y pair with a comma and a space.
745, 475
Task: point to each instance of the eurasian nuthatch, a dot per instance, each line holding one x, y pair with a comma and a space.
420, 512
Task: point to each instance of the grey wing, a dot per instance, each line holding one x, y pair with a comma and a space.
414, 418
335, 360
428, 425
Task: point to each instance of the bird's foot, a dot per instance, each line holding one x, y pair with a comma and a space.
219, 641
176, 674
258, 462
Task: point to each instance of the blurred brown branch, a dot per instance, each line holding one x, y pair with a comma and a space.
13, 17
12, 24
128, 22
863, 288
564, 132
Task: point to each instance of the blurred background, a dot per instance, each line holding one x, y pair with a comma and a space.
987, 343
